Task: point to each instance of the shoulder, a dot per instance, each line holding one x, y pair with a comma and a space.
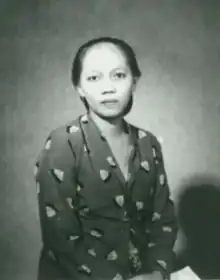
62, 132
59, 148
67, 134
145, 136
57, 141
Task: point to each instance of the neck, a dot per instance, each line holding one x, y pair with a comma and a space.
109, 128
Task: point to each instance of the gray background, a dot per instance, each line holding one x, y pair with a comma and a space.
178, 99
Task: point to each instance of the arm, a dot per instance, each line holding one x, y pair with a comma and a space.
57, 193
163, 229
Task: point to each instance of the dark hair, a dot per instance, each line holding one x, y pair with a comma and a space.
122, 45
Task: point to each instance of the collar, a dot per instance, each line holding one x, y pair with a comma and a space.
98, 149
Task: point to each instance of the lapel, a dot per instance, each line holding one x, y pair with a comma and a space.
100, 154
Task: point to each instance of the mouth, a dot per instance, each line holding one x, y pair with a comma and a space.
109, 101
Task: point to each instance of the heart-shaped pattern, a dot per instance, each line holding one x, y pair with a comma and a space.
111, 161
59, 174
162, 263
162, 179
154, 152
73, 237
167, 229
96, 233
145, 165
92, 252
132, 249
119, 199
72, 129
48, 144
50, 212
78, 188
112, 256
156, 217
141, 134
84, 268
104, 174
118, 276
139, 205
84, 119
70, 202
85, 149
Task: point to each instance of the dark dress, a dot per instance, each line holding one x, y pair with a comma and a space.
95, 224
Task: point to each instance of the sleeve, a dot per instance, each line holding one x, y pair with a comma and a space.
163, 229
57, 199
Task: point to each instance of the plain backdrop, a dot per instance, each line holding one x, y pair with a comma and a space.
177, 43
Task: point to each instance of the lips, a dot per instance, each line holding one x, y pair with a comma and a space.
109, 101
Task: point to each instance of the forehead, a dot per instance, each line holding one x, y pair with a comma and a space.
104, 56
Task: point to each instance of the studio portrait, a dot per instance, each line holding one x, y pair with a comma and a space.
110, 128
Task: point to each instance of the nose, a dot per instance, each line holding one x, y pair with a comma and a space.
108, 87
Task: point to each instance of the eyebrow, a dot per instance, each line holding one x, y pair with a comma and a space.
114, 69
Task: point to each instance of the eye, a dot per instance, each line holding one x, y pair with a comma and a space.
120, 75
92, 78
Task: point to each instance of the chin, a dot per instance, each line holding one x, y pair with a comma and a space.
111, 115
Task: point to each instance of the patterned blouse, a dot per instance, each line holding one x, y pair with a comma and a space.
96, 224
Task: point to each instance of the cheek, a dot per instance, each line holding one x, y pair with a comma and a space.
125, 89
92, 95
91, 88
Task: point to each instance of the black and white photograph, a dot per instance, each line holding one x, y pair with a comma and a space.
110, 140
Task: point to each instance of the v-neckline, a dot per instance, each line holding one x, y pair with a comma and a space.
126, 156
94, 137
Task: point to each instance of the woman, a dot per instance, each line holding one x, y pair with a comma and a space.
103, 195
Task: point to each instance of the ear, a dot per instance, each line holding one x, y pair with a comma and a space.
134, 85
80, 91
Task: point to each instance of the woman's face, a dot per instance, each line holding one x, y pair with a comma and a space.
106, 80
